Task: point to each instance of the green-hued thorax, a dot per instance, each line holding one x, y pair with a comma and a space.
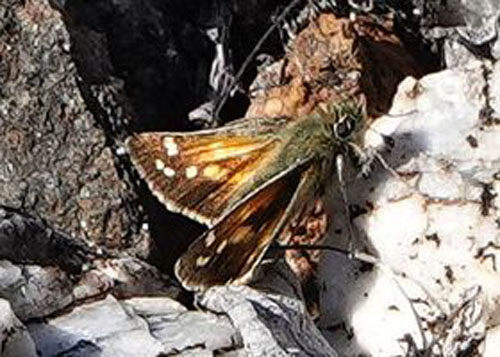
311, 135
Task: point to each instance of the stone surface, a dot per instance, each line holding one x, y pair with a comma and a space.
180, 329
76, 76
36, 292
14, 338
237, 321
134, 327
434, 227
271, 315
99, 328
332, 59
48, 271
55, 161
29, 240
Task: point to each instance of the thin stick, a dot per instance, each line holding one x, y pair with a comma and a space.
366, 258
339, 162
252, 54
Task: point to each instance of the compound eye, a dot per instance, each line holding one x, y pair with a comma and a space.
344, 128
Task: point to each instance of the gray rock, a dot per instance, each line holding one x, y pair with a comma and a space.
55, 159
34, 291
63, 113
272, 319
14, 338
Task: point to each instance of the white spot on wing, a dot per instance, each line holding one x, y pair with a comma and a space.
221, 246
168, 140
169, 172
210, 239
191, 172
170, 146
202, 261
160, 165
173, 150
211, 171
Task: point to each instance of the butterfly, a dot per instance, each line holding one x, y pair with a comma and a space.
244, 181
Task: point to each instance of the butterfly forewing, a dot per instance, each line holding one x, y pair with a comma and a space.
229, 251
202, 174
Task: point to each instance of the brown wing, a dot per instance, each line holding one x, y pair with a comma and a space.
229, 252
203, 174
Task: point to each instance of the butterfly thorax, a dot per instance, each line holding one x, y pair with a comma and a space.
310, 137
318, 139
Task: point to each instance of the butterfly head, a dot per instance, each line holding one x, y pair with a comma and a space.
347, 121
344, 128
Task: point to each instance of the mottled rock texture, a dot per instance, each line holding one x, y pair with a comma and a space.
77, 227
57, 161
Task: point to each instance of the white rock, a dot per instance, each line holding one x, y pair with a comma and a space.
492, 343
180, 329
134, 327
437, 248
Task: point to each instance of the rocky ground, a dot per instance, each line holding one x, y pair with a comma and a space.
87, 252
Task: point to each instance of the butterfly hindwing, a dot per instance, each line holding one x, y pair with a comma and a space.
203, 174
229, 252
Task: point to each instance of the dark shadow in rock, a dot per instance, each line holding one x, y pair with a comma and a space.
160, 55
407, 145
26, 240
172, 235
53, 341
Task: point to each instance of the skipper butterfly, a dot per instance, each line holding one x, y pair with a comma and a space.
244, 181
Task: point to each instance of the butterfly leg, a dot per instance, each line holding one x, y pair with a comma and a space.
339, 165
